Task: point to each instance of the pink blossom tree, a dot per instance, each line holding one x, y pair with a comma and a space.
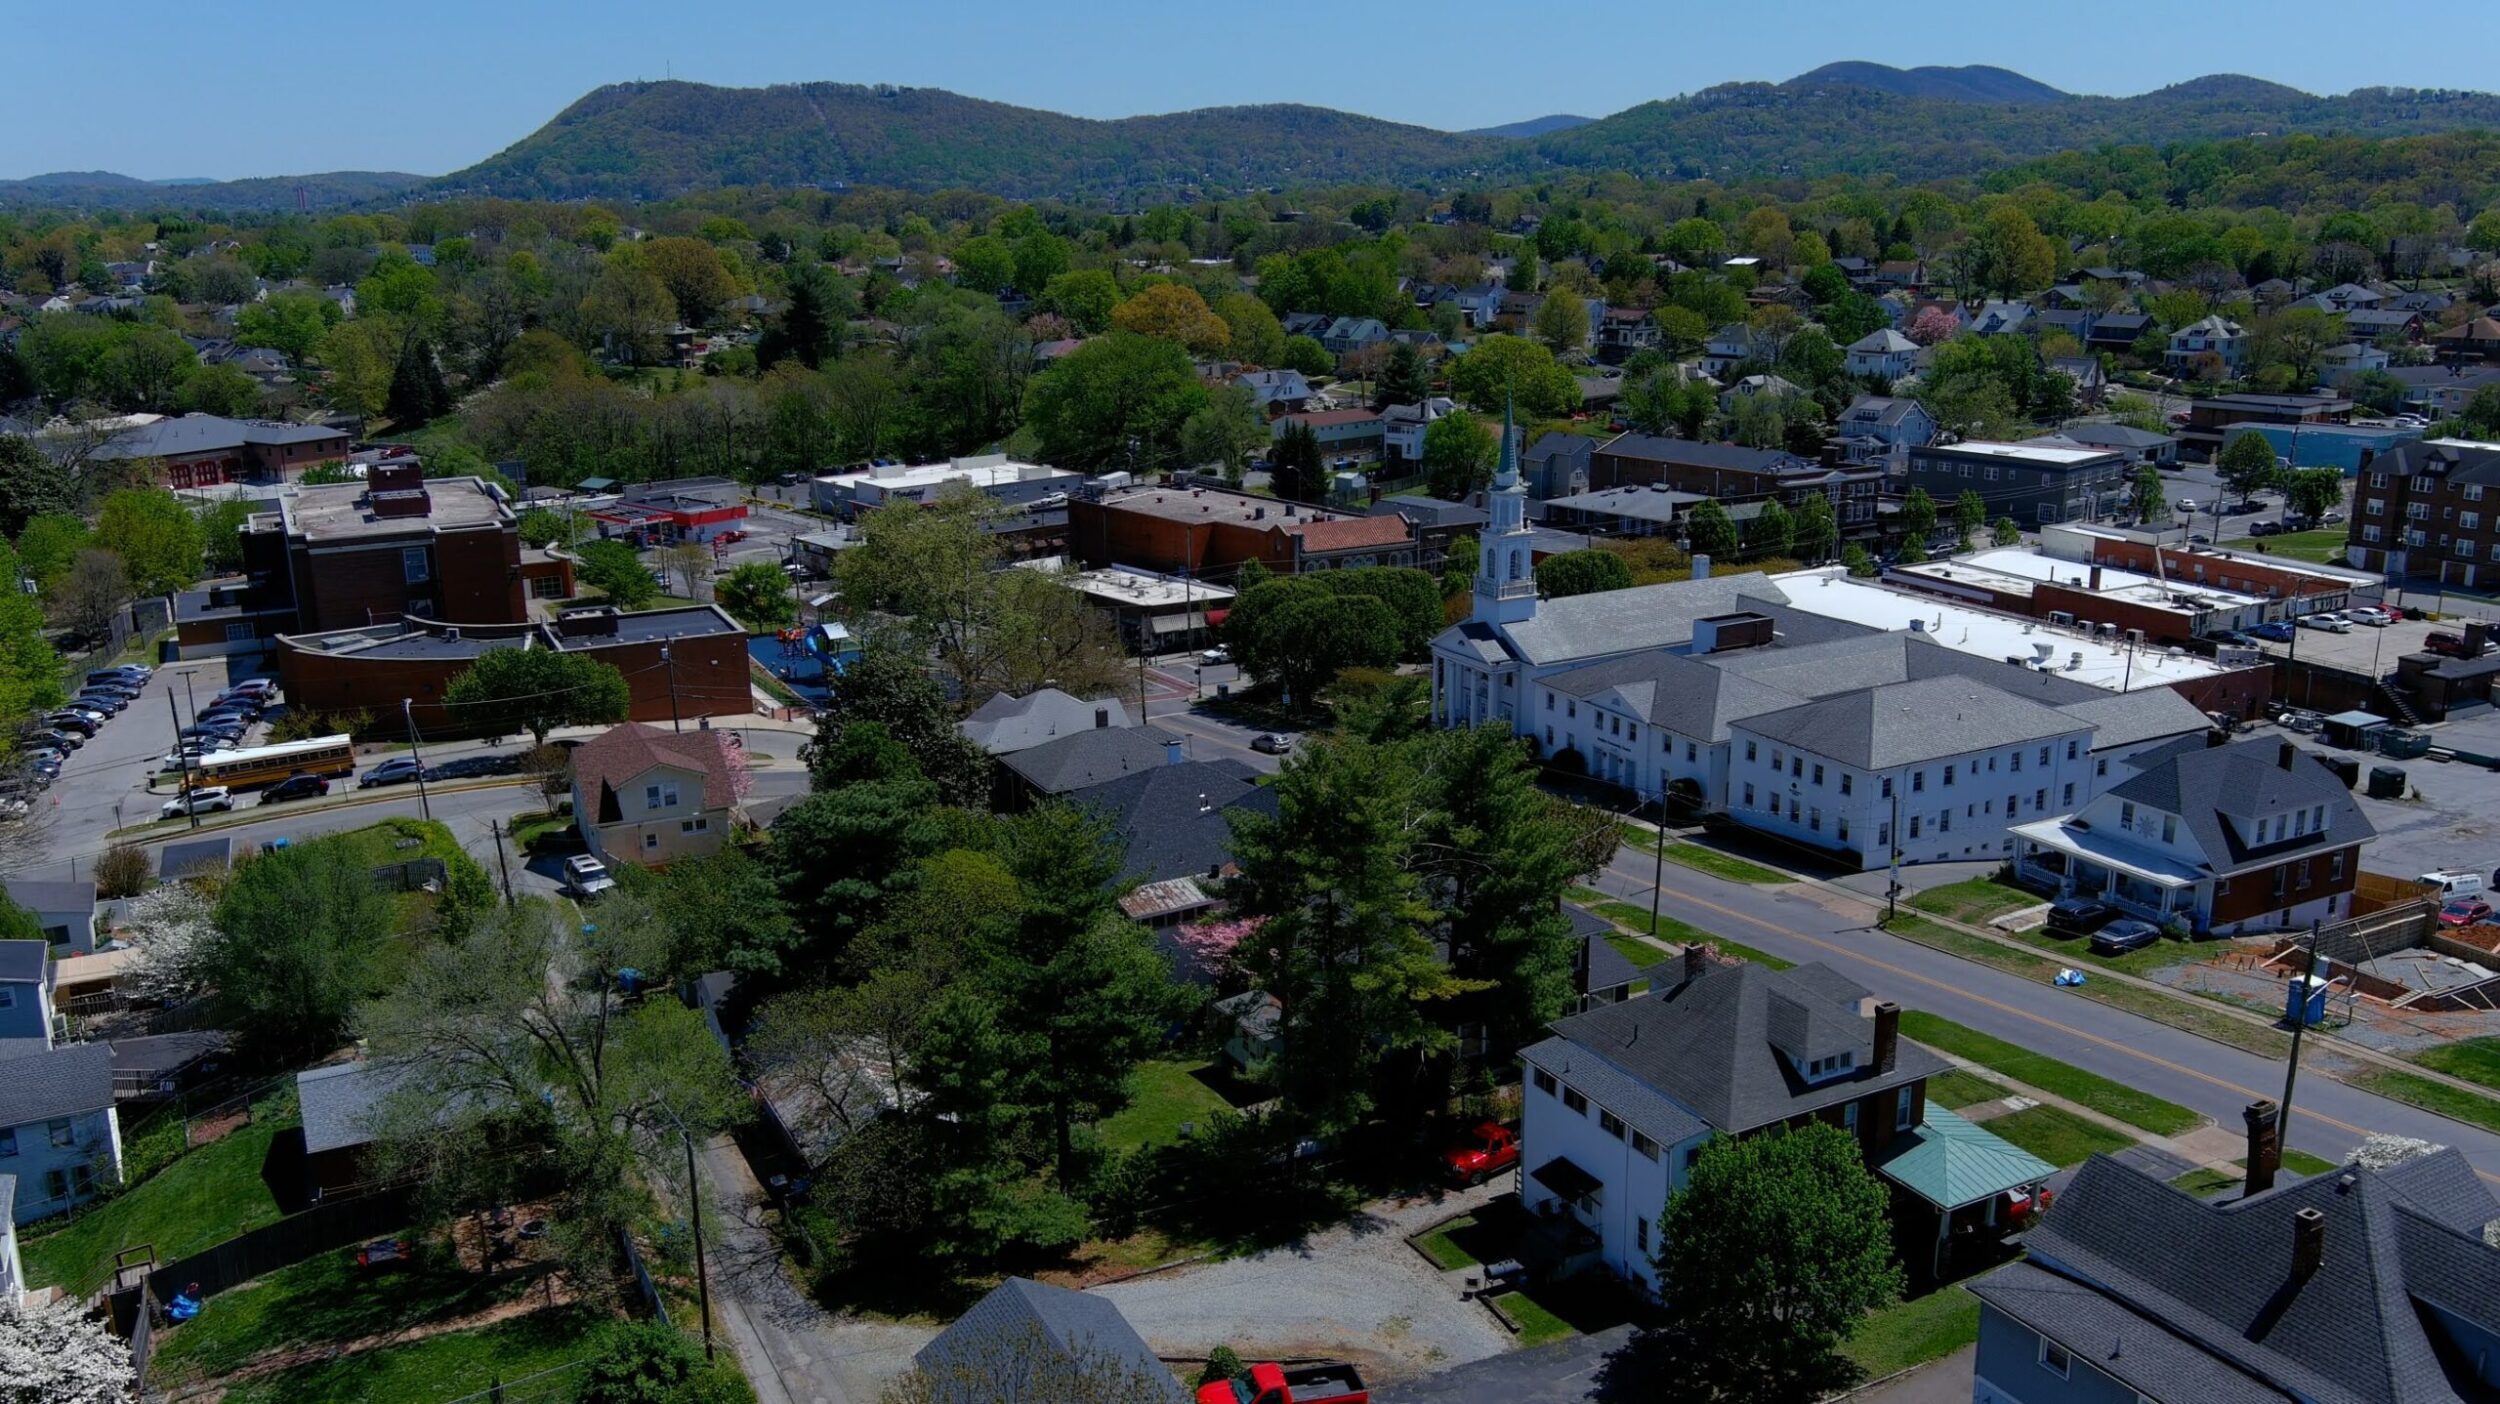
1212, 943
1931, 325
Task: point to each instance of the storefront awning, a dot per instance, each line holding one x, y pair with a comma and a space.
1951, 1163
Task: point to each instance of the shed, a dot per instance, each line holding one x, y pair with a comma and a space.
2350, 730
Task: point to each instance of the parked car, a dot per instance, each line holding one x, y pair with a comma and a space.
2330, 517
2326, 621
398, 770
266, 689
2120, 937
2274, 631
131, 673
1483, 1151
111, 704
2454, 883
2187, 505
211, 731
2465, 911
1216, 655
2234, 636
469, 767
80, 722
2371, 615
1272, 743
202, 800
296, 787
2452, 645
2265, 528
2079, 916
58, 739
585, 876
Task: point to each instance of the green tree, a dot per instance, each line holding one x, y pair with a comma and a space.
1817, 530
808, 329
652, 1362
291, 323
887, 685
32, 484
1499, 368
417, 392
536, 690
1085, 297
2311, 492
1173, 312
90, 595
220, 390
543, 527
1295, 470
221, 533
612, 568
1116, 402
757, 594
1562, 321
1225, 431
157, 536
1258, 338
2247, 464
1970, 513
845, 853
1774, 1251
2145, 495
1300, 633
1581, 573
2008, 255
1305, 354
1918, 517
1403, 379
1708, 529
298, 933
48, 543
2005, 533
1459, 453
1855, 559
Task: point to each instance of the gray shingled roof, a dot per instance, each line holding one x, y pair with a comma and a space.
1707, 1043
338, 1103
972, 1361
1090, 757
1176, 819
2131, 718
63, 1082
38, 895
1910, 722
1685, 695
1643, 617
1006, 724
2248, 779
2218, 1276
23, 962
1640, 1106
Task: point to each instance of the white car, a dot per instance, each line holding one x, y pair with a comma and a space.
1213, 656
585, 876
2330, 621
2188, 505
2371, 615
205, 800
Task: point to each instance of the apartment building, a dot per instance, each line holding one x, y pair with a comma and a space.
2430, 511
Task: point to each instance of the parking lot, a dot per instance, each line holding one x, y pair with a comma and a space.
2450, 817
2367, 649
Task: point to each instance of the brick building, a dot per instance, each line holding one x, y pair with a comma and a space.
398, 544
1209, 530
2430, 511
1736, 476
2031, 483
2211, 421
203, 450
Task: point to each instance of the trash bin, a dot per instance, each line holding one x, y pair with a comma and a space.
2387, 782
2346, 768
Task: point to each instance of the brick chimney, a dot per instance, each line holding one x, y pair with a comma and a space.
1887, 1036
1698, 958
2287, 755
2265, 1147
2308, 1243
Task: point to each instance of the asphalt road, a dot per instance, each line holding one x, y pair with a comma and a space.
1803, 923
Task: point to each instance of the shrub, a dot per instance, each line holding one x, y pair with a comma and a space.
1223, 1363
122, 871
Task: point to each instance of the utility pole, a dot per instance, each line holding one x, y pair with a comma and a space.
1658, 873
182, 755
1892, 856
425, 804
675, 722
502, 859
694, 1218
2291, 1071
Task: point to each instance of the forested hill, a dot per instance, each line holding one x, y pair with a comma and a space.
652, 140
105, 190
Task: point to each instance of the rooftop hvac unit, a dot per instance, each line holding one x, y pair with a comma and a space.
2136, 637
2074, 660
2060, 616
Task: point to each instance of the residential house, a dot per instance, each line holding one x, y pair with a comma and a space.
2359, 1286
1885, 353
2118, 332
2443, 390
1481, 304
1600, 974
1348, 335
63, 911
26, 976
2385, 326
643, 795
1776, 387
2141, 445
2428, 302
2076, 322
1276, 392
2215, 336
1175, 826
1557, 464
2273, 292
2128, 278
1901, 273
1726, 349
2065, 297
1882, 428
59, 1133
2340, 364
1081, 760
2029, 482
2478, 339
1619, 1101
1310, 324
2221, 838
1342, 432
1623, 332
1402, 427
2348, 297
1027, 1339
2091, 381
1006, 723
1995, 318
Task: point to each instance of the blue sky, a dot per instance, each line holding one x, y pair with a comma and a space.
274, 87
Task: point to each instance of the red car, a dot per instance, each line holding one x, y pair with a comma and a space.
2465, 911
1484, 1151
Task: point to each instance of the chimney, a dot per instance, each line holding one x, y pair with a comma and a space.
2286, 754
1102, 717
1887, 1036
1698, 958
1172, 752
2265, 1147
2308, 1243
2096, 580
1701, 567
2216, 736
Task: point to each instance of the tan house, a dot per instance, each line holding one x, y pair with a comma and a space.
649, 796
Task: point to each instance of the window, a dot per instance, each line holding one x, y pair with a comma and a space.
1635, 733
2300, 875
1549, 701
8, 997
1883, 834
698, 825
2126, 815
2469, 521
1544, 1081
1904, 1102
2044, 755
2070, 750
2054, 1359
1749, 796
650, 842
2473, 492
239, 632
2067, 796
2016, 759
2100, 766
1843, 829
1610, 1123
1883, 788
547, 587
1571, 709
1948, 776
1749, 750
2039, 800
8, 1140
1690, 753
2335, 868
1818, 774
414, 566
1918, 782
1849, 1117
1640, 1234
2170, 828
1578, 1104
1814, 819
1914, 826
1644, 1147
1779, 758
660, 796
1845, 778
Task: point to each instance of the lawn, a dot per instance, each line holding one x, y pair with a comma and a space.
202, 1199
2059, 1079
324, 1300
1537, 1326
438, 1368
2055, 1134
1958, 1089
2205, 1183
2475, 1060
1454, 1245
1165, 1093
1683, 933
1974, 901
2316, 547
1722, 865
2469, 1107
1914, 1332
2301, 1163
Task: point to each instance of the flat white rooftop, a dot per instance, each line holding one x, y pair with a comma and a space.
2030, 452
1122, 585
2106, 663
982, 471
2015, 571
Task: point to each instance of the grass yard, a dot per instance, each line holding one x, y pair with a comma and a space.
1914, 1332
2318, 547
436, 1368
1722, 865
2205, 1183
1683, 933
2301, 1163
2055, 1134
1958, 1089
1454, 1245
2469, 1107
1167, 1093
1975, 901
2474, 1059
324, 1300
1537, 1326
202, 1199
2065, 1080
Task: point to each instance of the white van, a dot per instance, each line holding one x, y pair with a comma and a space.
2453, 884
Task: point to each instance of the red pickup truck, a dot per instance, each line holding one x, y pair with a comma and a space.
1481, 1152
1269, 1383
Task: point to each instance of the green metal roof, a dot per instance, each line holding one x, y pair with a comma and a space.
1949, 1162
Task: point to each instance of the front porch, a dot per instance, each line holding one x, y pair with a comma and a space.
2076, 862
1960, 1194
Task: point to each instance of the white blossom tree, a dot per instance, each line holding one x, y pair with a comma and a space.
57, 1354
176, 928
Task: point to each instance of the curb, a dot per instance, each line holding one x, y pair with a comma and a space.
152, 831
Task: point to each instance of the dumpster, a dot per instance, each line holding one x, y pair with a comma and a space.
2402, 745
2387, 782
2346, 768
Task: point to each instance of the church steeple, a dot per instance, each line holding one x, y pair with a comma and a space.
1505, 573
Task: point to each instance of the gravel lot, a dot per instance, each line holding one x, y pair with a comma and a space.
2455, 823
1352, 1291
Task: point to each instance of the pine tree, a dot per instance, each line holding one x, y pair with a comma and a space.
417, 391
1294, 468
1403, 380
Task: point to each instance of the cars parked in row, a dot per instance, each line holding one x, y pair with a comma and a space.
295, 787
2326, 621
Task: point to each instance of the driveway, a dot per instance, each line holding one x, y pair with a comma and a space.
1353, 1291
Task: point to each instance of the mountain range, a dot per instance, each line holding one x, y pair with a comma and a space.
655, 140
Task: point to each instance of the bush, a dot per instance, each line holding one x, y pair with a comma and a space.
644, 1362
1223, 1363
122, 871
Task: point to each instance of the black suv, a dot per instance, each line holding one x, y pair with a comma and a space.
2079, 916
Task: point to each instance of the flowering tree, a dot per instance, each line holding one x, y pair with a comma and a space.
1931, 325
176, 929
1211, 943
56, 1354
741, 779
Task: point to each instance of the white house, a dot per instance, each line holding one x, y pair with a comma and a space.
1402, 427
2216, 335
63, 911
12, 1277
1886, 353
59, 1134
25, 997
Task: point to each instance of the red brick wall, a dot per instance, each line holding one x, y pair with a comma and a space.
2252, 894
710, 674
476, 579
1103, 534
2226, 573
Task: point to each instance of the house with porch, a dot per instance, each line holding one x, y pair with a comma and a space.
2253, 835
1620, 1099
643, 795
